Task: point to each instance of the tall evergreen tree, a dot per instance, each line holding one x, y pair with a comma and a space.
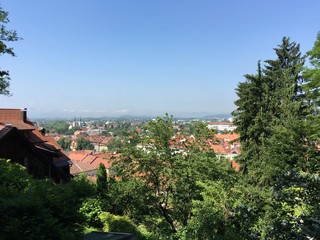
268, 99
283, 161
102, 180
312, 76
284, 78
249, 116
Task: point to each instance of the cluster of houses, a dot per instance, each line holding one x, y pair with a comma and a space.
88, 161
24, 143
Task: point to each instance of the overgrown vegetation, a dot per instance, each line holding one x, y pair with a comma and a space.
39, 209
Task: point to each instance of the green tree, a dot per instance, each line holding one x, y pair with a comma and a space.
65, 143
311, 88
251, 116
29, 206
284, 76
272, 97
164, 171
84, 144
312, 74
102, 181
115, 144
211, 215
278, 138
151, 165
6, 36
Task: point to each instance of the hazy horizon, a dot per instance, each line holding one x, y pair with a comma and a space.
77, 115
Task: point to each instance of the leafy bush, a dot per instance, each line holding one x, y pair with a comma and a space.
114, 223
91, 208
39, 209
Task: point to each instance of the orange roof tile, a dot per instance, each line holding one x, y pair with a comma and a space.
89, 159
105, 162
218, 149
229, 137
76, 156
15, 117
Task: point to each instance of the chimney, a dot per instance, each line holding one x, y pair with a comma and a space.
24, 115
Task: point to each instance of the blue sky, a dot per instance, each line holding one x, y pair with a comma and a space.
143, 57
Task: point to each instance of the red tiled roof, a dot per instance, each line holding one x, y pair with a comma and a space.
76, 156
218, 149
8, 115
79, 167
88, 163
105, 162
89, 159
229, 137
85, 152
15, 117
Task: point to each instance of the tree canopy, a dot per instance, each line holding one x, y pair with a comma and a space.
277, 119
6, 36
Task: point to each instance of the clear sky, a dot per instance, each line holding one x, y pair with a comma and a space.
144, 57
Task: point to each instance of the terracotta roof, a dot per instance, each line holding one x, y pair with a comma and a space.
105, 162
80, 167
8, 115
15, 117
89, 159
76, 156
88, 163
85, 152
229, 137
219, 149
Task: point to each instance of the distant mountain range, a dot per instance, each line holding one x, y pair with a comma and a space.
192, 116
59, 115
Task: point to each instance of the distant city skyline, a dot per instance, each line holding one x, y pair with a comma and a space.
144, 58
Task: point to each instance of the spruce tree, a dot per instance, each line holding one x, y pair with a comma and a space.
272, 98
102, 180
279, 148
284, 78
250, 116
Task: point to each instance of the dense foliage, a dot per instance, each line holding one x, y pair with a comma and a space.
84, 144
166, 177
278, 121
6, 36
39, 209
65, 143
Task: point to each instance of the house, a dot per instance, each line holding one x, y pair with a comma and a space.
22, 142
226, 145
86, 162
99, 142
222, 126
